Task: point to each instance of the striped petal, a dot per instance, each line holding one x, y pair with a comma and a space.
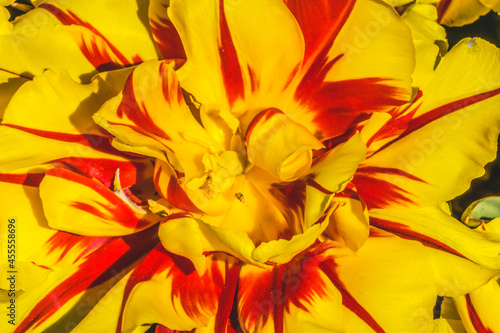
84, 206
436, 229
226, 67
452, 134
328, 288
62, 125
176, 295
51, 264
166, 37
477, 309
151, 114
78, 287
359, 63
91, 37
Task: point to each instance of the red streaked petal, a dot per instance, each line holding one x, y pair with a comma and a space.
226, 69
178, 297
377, 188
435, 229
329, 267
451, 136
166, 37
84, 206
96, 47
320, 22
340, 86
265, 295
98, 269
155, 117
230, 66
104, 170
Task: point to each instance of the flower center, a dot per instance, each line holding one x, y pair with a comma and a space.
222, 170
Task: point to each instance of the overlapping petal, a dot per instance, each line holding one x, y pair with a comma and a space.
434, 147
360, 35
241, 54
90, 39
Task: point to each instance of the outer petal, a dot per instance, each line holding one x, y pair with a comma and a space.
226, 64
9, 83
83, 206
436, 229
451, 136
330, 289
478, 309
62, 126
164, 33
460, 12
79, 286
429, 39
177, 296
77, 269
95, 39
362, 65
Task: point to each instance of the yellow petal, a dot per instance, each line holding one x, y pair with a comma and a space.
136, 118
449, 139
436, 229
429, 39
176, 295
456, 13
84, 206
62, 125
331, 175
211, 239
226, 67
9, 83
91, 37
279, 145
478, 309
362, 65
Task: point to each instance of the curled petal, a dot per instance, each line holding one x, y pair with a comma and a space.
225, 67
436, 229
178, 297
436, 147
84, 206
279, 145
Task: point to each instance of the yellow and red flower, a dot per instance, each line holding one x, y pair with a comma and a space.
275, 170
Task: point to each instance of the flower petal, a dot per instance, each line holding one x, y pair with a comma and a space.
136, 118
164, 33
451, 136
455, 13
210, 239
225, 64
79, 286
279, 145
330, 175
438, 230
477, 309
96, 38
177, 296
9, 84
62, 126
84, 206
340, 82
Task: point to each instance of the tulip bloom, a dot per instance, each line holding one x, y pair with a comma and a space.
257, 166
